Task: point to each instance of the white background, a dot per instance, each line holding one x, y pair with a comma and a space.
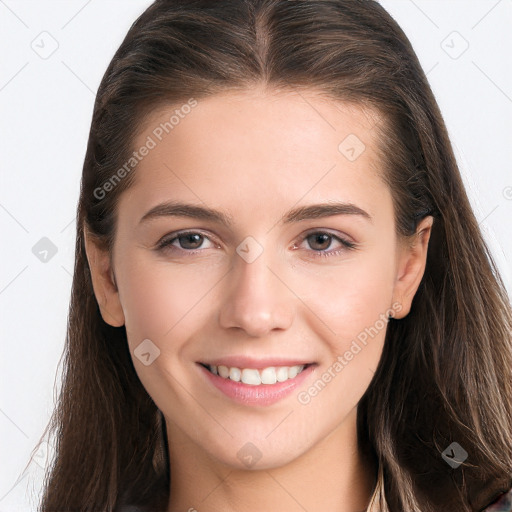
46, 107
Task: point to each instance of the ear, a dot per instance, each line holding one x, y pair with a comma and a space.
103, 281
412, 260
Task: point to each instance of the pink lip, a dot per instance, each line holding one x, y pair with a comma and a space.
264, 394
257, 364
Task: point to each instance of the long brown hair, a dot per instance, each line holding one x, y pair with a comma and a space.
445, 372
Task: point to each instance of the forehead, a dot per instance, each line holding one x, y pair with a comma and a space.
259, 146
306, 120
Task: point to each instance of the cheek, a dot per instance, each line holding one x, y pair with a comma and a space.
349, 297
349, 305
164, 303
161, 300
356, 316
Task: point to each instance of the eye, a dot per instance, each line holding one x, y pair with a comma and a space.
188, 241
192, 241
319, 241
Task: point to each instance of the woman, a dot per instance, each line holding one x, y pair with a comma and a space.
282, 299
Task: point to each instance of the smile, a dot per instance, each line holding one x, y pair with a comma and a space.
262, 386
254, 377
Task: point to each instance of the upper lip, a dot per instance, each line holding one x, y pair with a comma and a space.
257, 364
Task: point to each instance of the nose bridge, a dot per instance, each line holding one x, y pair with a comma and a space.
257, 301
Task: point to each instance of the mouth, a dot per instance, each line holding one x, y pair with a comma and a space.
270, 382
270, 375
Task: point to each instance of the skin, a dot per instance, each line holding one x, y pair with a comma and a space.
255, 155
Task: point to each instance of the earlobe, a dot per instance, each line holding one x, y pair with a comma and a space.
103, 281
411, 266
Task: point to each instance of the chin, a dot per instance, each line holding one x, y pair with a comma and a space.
252, 453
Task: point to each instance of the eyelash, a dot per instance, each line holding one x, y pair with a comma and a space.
166, 243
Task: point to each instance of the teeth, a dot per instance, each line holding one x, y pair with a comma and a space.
223, 371
268, 376
282, 374
253, 377
235, 374
292, 372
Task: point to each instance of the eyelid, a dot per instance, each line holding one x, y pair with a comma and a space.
333, 233
347, 244
165, 243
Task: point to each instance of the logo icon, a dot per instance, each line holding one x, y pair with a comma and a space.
454, 45
146, 352
44, 250
43, 454
249, 249
45, 45
249, 454
455, 455
351, 147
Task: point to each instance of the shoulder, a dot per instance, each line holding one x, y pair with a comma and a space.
502, 504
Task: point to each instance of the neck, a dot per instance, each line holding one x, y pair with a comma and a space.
333, 475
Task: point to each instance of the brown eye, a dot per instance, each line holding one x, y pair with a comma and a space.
319, 241
325, 244
190, 240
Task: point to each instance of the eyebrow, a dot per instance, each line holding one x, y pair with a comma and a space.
314, 211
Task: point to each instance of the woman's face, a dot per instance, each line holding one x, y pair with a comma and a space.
290, 260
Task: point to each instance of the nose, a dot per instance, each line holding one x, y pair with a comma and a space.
257, 300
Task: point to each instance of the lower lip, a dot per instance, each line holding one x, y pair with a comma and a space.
263, 394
